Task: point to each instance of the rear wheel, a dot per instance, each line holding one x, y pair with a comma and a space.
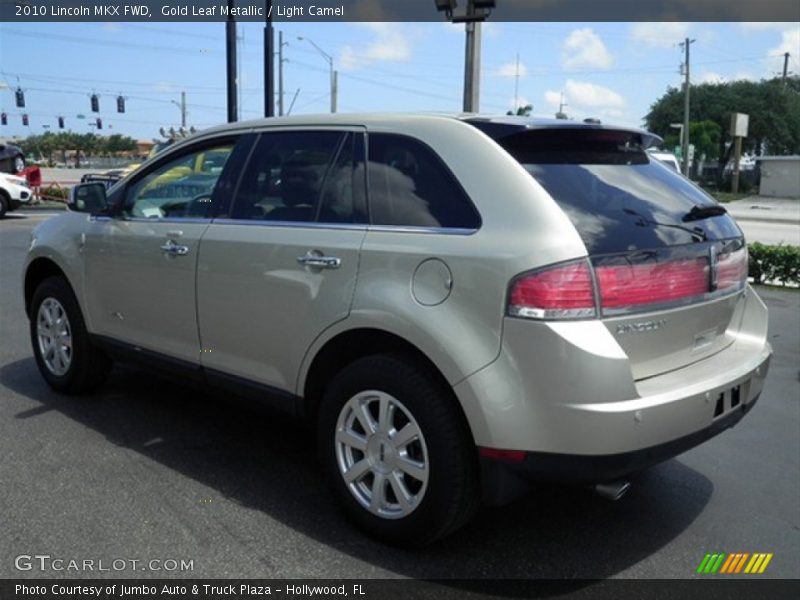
396, 450
61, 345
3, 205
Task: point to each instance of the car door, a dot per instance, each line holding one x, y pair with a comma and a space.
280, 267
141, 262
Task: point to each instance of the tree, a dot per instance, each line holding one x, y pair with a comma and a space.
117, 143
522, 111
774, 114
705, 135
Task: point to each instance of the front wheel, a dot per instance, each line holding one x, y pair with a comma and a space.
396, 450
61, 345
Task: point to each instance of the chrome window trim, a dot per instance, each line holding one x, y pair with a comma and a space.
424, 229
291, 224
351, 226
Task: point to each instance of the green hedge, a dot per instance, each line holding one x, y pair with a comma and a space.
54, 192
774, 263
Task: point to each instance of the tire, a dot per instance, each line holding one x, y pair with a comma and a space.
3, 205
75, 367
441, 493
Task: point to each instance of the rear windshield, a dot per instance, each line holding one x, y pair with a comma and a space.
619, 198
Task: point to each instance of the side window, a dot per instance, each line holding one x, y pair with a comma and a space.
410, 186
181, 187
288, 174
343, 196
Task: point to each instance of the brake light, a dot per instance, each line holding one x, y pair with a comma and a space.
627, 286
623, 285
732, 270
562, 292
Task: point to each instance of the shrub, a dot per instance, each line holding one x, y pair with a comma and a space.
774, 263
52, 192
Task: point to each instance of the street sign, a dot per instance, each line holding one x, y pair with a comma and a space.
739, 124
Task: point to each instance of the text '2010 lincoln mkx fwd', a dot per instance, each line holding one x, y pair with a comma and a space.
460, 304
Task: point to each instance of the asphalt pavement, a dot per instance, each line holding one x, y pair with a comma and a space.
148, 469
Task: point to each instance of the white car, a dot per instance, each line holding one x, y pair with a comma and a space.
668, 158
14, 192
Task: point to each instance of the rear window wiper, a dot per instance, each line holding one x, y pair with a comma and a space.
703, 212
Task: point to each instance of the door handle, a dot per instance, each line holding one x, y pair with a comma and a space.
320, 262
174, 249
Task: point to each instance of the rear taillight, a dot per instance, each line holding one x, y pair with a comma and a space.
623, 285
628, 286
732, 270
561, 292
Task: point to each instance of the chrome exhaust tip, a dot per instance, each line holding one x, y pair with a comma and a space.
613, 490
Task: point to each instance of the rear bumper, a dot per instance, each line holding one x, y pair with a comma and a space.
503, 481
565, 396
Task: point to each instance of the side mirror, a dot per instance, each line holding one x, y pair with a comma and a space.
88, 198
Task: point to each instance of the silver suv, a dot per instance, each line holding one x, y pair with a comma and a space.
459, 304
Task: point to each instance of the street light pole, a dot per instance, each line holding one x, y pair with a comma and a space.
472, 67
476, 12
269, 64
182, 106
687, 84
334, 74
230, 45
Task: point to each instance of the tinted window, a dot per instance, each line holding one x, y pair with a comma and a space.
619, 198
286, 176
410, 186
343, 198
181, 187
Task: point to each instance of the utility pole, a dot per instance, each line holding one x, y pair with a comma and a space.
476, 12
230, 45
785, 67
269, 63
280, 73
472, 66
333, 72
687, 84
561, 114
516, 85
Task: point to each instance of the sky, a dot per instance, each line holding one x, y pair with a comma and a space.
610, 71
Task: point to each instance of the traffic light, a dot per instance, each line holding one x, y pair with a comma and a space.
95, 103
120, 104
25, 120
99, 123
61, 122
20, 96
3, 119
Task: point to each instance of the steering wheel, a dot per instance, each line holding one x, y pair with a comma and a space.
198, 206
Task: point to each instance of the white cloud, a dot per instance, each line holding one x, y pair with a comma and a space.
707, 77
713, 77
163, 86
584, 48
390, 43
552, 98
790, 42
660, 35
520, 101
591, 95
509, 70
765, 25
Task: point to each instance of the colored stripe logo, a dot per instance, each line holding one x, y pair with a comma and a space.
729, 564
